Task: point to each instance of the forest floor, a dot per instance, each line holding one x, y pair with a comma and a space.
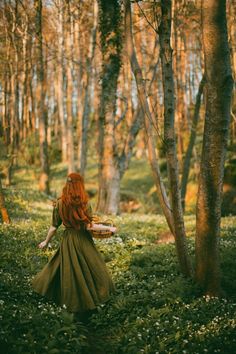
154, 310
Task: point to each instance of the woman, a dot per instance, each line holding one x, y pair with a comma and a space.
76, 276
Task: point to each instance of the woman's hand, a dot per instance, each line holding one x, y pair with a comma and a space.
52, 230
42, 244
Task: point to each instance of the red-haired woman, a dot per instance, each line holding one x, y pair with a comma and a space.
76, 276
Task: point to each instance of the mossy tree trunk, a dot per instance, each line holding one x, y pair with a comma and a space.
217, 118
111, 44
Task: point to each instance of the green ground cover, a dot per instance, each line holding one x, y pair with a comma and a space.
154, 309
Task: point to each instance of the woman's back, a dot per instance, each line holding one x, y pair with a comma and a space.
71, 216
76, 275
73, 204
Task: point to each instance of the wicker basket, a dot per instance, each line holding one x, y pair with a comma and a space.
102, 233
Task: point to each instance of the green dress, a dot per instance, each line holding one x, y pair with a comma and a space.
76, 276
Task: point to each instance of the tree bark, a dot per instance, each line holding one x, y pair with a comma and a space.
87, 104
180, 71
42, 113
169, 137
69, 93
110, 29
4, 212
217, 117
60, 82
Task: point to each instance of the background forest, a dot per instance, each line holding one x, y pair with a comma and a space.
136, 96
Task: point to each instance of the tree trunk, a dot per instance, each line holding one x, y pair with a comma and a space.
130, 141
78, 49
60, 83
122, 161
8, 127
6, 115
180, 70
31, 91
13, 128
169, 136
111, 42
108, 202
217, 118
163, 199
87, 104
42, 113
69, 93
189, 151
5, 216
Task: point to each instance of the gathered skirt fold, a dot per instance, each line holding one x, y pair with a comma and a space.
76, 276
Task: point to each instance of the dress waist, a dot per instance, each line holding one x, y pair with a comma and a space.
82, 227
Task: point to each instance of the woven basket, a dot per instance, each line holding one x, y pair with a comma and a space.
102, 233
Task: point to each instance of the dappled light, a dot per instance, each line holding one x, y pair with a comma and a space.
117, 177
153, 307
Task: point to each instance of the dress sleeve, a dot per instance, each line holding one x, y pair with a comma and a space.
90, 211
56, 219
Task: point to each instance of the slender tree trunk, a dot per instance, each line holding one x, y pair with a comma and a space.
180, 69
31, 91
217, 118
42, 113
169, 136
161, 192
13, 126
60, 82
6, 125
87, 104
130, 141
25, 109
78, 40
189, 151
135, 123
15, 118
135, 126
69, 93
4, 212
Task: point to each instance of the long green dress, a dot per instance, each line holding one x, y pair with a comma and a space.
76, 276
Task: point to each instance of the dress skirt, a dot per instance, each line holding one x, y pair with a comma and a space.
76, 276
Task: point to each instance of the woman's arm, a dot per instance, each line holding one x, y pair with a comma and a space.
97, 227
52, 230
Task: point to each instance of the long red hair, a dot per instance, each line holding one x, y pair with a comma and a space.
74, 206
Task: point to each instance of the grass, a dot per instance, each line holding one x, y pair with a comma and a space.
154, 309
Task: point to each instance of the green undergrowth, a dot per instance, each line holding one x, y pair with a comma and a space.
154, 309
